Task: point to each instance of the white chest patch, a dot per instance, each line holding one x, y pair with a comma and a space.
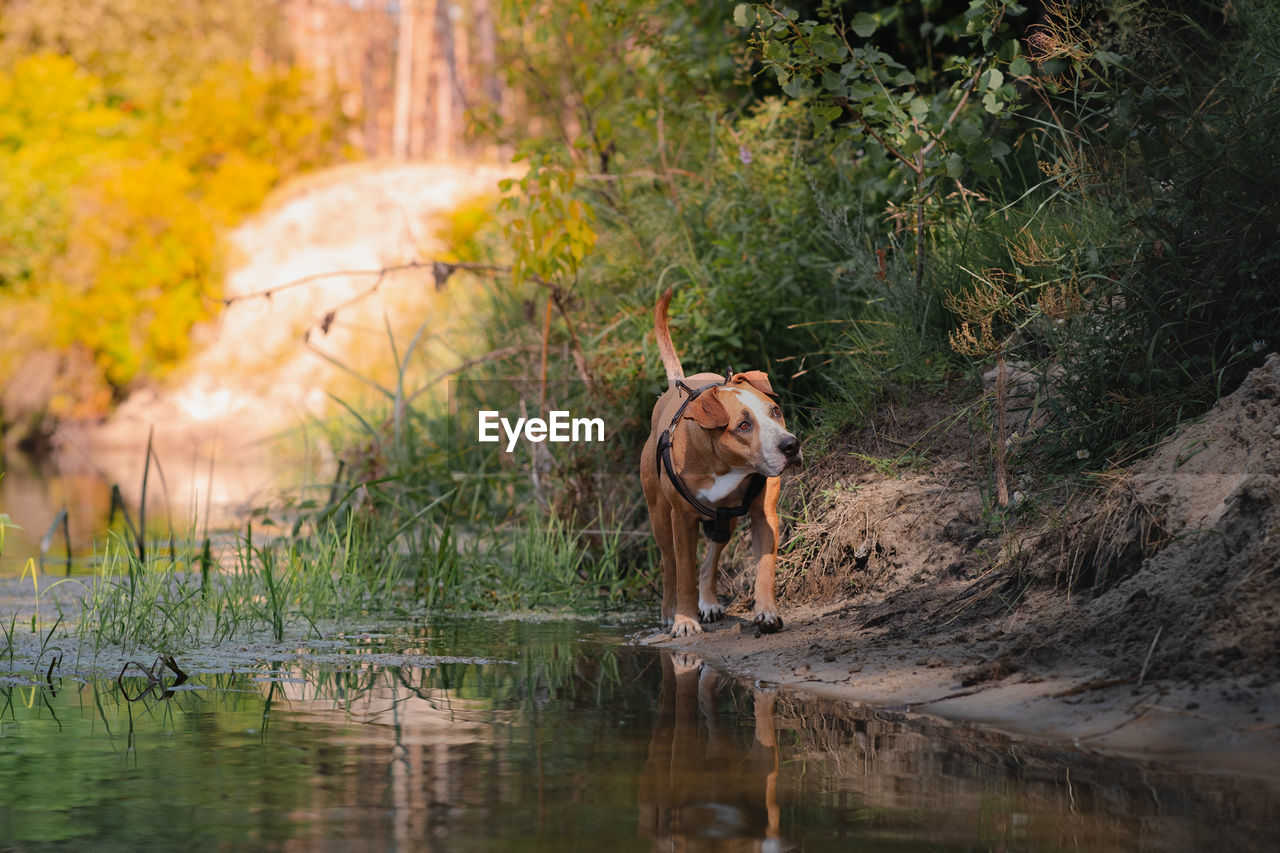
723, 485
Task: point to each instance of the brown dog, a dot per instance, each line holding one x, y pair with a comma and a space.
714, 453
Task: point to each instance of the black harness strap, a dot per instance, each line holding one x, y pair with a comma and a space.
716, 519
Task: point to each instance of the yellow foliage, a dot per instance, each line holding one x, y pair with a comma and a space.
460, 230
991, 298
239, 184
110, 211
139, 268
54, 126
551, 232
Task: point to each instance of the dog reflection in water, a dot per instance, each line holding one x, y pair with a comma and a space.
704, 786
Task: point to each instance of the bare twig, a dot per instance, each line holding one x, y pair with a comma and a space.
168, 660
59, 520
1150, 652
546, 343
441, 269
1001, 448
575, 346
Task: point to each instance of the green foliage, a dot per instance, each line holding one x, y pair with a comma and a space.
1123, 190
916, 114
432, 518
740, 208
1095, 197
267, 585
1141, 275
549, 230
593, 81
1081, 211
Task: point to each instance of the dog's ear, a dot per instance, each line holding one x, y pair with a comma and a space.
757, 379
708, 411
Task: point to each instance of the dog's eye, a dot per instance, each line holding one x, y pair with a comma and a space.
776, 413
745, 426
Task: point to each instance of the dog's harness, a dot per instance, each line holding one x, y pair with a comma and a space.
716, 519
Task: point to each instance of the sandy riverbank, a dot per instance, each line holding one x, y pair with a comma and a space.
1142, 619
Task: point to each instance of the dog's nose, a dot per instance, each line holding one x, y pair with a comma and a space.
790, 446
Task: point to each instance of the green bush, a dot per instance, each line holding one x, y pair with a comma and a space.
1164, 209
1095, 197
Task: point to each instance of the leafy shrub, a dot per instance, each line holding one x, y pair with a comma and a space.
1097, 197
1171, 188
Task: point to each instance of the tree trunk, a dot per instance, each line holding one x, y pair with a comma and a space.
446, 82
404, 81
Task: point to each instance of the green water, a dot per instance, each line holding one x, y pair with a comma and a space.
555, 736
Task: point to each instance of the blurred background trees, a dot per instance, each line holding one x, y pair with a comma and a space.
833, 188
132, 134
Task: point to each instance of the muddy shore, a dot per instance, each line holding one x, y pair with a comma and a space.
1140, 617
1221, 724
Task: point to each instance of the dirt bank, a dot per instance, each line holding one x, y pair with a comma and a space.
1140, 616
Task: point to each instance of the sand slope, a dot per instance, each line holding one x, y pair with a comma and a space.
1144, 620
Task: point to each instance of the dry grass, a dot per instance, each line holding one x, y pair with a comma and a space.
1107, 533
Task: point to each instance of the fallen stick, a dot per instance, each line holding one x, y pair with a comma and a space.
1150, 651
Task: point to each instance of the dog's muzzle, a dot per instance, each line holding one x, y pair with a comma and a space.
789, 447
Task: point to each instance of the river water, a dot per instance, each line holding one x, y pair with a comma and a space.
520, 735
187, 496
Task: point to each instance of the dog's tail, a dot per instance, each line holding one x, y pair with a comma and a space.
670, 360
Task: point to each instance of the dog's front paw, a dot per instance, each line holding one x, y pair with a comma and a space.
768, 621
710, 611
684, 626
